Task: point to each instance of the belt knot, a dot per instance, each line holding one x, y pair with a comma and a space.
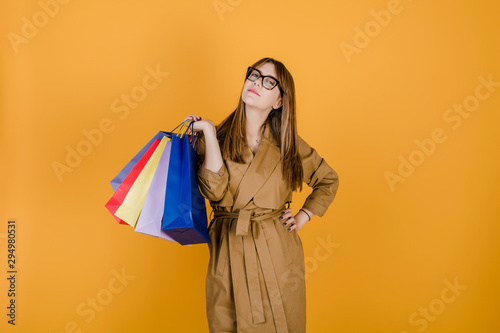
244, 217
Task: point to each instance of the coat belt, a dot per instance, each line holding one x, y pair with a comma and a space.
251, 248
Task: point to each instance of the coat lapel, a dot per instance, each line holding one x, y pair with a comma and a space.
257, 170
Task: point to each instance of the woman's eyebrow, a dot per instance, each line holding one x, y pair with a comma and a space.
274, 77
262, 73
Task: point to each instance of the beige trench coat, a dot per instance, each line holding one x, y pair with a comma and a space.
256, 276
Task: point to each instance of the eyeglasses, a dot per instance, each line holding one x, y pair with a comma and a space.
268, 82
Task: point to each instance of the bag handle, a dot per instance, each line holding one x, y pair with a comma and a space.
193, 136
183, 124
186, 127
172, 131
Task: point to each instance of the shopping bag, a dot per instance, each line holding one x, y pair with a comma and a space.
131, 206
149, 222
184, 215
116, 182
116, 200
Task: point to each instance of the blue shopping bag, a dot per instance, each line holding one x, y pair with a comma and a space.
185, 212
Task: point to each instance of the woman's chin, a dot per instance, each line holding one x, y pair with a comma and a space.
251, 101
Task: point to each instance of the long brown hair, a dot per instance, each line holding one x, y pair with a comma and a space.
232, 137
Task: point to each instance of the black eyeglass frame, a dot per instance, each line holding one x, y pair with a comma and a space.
250, 69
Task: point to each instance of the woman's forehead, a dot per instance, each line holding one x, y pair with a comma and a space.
267, 69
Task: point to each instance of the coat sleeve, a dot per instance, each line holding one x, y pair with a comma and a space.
212, 185
320, 176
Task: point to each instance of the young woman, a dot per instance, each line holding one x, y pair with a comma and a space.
248, 166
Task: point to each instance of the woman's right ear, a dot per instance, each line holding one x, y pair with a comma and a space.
278, 104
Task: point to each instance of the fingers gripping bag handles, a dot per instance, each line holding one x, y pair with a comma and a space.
185, 214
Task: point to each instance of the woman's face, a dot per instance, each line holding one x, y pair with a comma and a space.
258, 97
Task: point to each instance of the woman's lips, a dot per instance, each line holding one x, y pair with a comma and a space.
253, 91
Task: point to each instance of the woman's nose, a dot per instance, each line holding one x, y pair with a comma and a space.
258, 81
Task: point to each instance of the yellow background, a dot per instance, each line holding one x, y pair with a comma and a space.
394, 248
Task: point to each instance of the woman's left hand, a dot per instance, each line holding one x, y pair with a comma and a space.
292, 222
